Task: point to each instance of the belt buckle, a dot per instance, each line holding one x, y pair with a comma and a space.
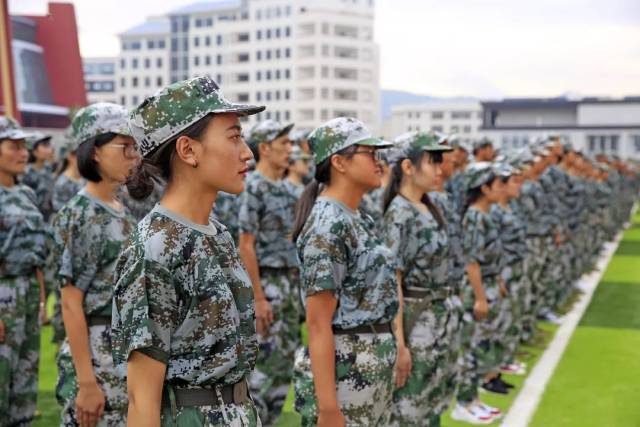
239, 392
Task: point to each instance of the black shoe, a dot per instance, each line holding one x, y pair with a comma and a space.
495, 387
502, 382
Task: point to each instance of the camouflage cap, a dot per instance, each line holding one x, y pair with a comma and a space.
504, 169
410, 143
340, 133
478, 173
174, 108
267, 131
35, 138
10, 129
298, 154
299, 135
481, 143
98, 119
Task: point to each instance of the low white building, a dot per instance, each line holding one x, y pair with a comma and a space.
308, 61
461, 117
100, 79
593, 125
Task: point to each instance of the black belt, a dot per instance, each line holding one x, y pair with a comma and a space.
432, 294
98, 320
378, 328
188, 397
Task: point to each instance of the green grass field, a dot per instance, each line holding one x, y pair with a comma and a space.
597, 382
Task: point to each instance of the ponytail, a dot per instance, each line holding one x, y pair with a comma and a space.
309, 196
393, 187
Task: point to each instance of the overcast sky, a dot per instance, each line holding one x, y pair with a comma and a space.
484, 48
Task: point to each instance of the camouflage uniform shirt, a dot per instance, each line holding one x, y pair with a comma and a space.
226, 211
513, 233
63, 190
267, 211
40, 181
88, 236
340, 253
22, 232
420, 247
481, 242
184, 298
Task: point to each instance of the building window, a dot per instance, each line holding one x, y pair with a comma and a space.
287, 115
287, 53
123, 100
268, 53
466, 129
437, 115
219, 59
243, 97
161, 44
277, 53
268, 34
258, 96
196, 60
287, 74
287, 32
134, 100
209, 22
461, 115
268, 75
277, 95
244, 77
277, 74
258, 75
243, 57
259, 55
207, 41
134, 82
134, 63
259, 35
159, 81
123, 82
159, 62
196, 41
147, 63
277, 33
219, 40
287, 95
151, 44
123, 64
147, 82
243, 37
436, 128
410, 115
268, 96
636, 142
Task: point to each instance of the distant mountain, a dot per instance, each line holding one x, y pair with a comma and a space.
390, 98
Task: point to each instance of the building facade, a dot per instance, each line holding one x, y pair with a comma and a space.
593, 125
308, 61
100, 79
460, 117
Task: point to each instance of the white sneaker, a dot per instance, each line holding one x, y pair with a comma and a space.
471, 415
494, 413
553, 318
513, 369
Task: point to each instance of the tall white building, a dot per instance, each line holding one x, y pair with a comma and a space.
593, 125
307, 60
460, 117
100, 79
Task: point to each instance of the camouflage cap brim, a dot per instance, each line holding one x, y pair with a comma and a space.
374, 142
16, 134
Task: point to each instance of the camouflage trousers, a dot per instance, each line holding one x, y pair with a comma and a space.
113, 385
416, 403
447, 389
20, 351
482, 353
56, 320
364, 380
231, 415
512, 310
271, 378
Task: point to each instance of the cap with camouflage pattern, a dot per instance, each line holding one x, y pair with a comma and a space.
10, 129
480, 143
504, 169
174, 108
98, 119
479, 173
37, 137
298, 154
267, 131
411, 143
340, 133
299, 135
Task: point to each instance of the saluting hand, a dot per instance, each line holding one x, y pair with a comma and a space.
264, 316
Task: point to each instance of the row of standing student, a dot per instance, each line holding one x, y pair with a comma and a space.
180, 321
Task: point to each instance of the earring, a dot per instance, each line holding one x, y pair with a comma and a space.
195, 164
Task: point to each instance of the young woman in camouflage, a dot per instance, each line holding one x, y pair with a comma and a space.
416, 233
22, 257
183, 316
266, 216
39, 172
513, 233
482, 294
88, 233
345, 375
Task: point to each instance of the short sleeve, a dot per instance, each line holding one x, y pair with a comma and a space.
144, 309
77, 249
249, 213
396, 241
324, 260
473, 243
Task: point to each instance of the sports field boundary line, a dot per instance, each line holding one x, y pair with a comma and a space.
526, 403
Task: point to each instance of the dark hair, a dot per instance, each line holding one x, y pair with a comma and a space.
474, 194
393, 188
145, 176
256, 151
309, 196
87, 166
32, 157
